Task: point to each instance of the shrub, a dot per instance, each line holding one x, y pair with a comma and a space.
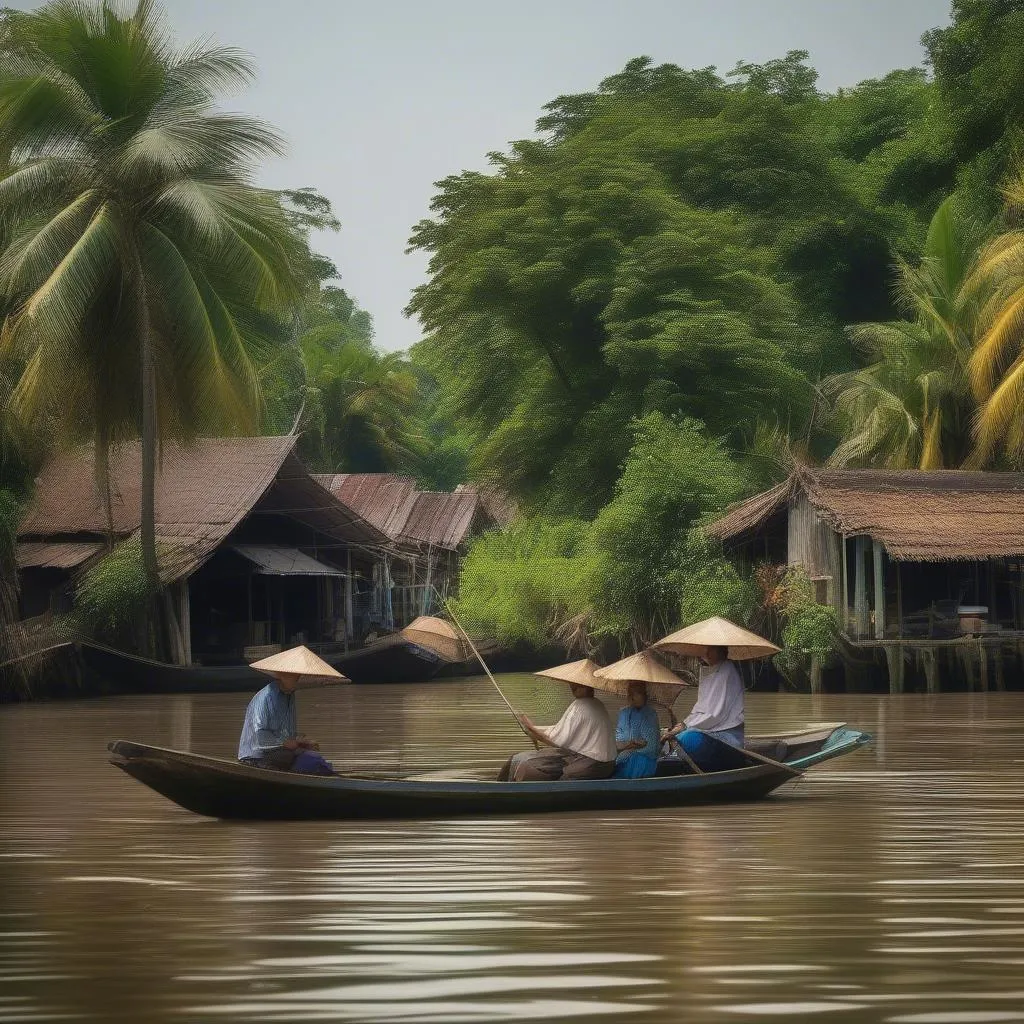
113, 592
809, 629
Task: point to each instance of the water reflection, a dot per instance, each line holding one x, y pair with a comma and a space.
885, 887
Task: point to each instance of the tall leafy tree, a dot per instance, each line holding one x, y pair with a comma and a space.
996, 365
146, 268
911, 406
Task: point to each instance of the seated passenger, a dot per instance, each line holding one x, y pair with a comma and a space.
637, 736
718, 713
583, 743
269, 734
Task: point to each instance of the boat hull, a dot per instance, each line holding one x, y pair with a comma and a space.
219, 788
85, 669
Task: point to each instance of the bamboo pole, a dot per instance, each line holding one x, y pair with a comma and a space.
472, 647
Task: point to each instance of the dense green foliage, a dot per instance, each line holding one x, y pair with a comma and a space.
679, 244
620, 575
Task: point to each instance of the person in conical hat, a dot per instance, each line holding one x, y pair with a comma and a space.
718, 713
270, 736
580, 745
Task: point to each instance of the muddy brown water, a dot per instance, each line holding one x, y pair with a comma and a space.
884, 886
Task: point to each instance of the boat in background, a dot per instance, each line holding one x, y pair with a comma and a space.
82, 668
218, 788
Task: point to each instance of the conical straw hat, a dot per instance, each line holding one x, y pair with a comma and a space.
301, 661
717, 632
579, 672
439, 636
663, 685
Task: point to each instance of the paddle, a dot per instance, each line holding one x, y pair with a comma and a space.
479, 657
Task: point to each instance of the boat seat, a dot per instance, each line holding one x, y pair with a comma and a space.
778, 750
672, 766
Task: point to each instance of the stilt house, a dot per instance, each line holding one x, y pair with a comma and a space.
254, 550
428, 530
925, 568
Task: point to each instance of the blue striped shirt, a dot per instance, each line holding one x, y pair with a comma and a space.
638, 724
269, 721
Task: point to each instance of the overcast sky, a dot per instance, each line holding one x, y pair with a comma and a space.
380, 99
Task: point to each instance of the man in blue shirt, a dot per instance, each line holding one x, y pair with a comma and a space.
270, 735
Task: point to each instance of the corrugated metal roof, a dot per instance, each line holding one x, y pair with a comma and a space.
58, 555
281, 561
442, 520
943, 515
383, 499
409, 517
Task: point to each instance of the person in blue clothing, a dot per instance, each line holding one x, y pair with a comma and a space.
270, 736
637, 736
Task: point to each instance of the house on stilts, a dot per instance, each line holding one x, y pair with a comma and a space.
253, 550
428, 530
925, 570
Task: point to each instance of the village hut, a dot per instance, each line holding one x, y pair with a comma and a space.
926, 568
428, 530
255, 553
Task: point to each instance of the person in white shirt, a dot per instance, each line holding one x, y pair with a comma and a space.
583, 742
718, 713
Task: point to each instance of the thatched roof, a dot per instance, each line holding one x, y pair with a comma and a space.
943, 515
203, 491
411, 518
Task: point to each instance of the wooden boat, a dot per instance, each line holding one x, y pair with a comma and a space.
97, 669
219, 788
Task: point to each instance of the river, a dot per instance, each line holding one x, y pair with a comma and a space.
884, 886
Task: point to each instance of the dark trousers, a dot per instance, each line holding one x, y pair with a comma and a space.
550, 764
280, 760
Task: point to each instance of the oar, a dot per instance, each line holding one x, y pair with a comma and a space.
775, 764
447, 607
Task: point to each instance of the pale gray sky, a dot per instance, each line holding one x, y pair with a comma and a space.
381, 98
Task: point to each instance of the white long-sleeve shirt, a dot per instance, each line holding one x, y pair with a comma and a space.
719, 699
585, 729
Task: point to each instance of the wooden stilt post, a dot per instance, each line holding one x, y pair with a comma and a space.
845, 603
931, 673
879, 580
1000, 669
894, 659
983, 666
349, 618
186, 622
860, 588
899, 599
815, 674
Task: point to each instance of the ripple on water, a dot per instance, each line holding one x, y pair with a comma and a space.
884, 888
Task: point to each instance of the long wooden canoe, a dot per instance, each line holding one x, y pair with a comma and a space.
83, 668
220, 788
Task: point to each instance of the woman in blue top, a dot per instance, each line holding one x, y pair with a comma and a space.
637, 736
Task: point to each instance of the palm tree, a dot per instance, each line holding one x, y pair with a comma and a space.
911, 407
144, 266
358, 407
996, 366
